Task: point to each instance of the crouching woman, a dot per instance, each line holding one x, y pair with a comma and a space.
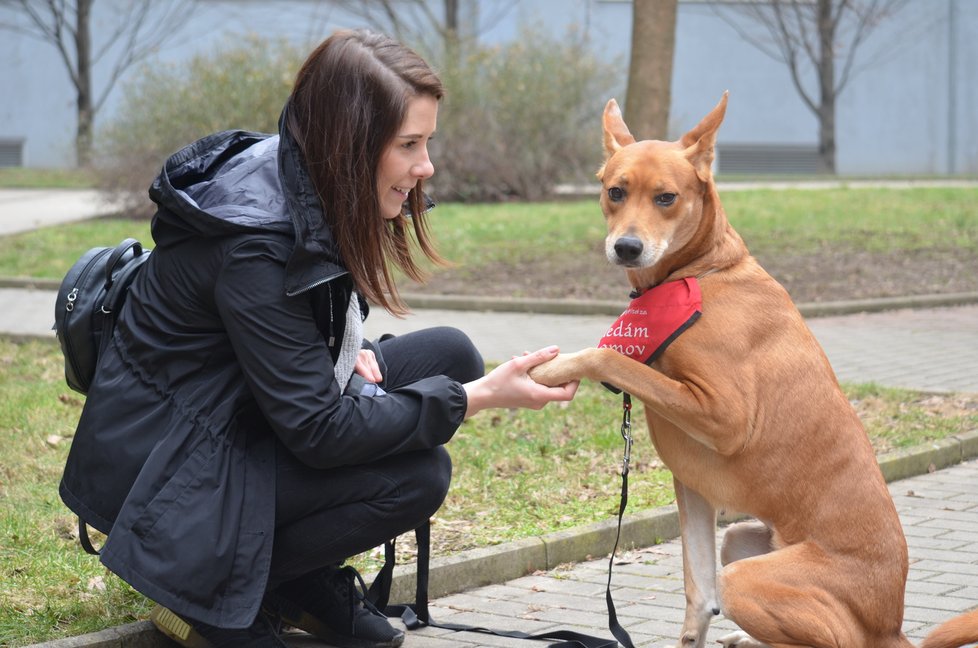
241, 438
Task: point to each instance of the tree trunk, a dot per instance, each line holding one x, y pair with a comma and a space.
83, 50
453, 48
650, 69
451, 15
826, 83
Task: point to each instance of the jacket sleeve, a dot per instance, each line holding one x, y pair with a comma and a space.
287, 366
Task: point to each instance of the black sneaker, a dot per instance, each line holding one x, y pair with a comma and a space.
193, 634
328, 604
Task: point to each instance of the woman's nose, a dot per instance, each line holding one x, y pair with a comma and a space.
423, 168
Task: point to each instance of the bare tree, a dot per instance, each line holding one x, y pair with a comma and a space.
821, 36
416, 21
136, 30
650, 70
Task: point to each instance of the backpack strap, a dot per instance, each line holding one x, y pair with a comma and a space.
117, 254
116, 289
83, 538
417, 615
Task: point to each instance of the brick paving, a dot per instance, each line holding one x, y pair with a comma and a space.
929, 349
939, 512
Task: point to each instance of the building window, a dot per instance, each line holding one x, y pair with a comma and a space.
11, 152
777, 159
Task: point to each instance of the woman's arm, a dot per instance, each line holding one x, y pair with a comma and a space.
509, 385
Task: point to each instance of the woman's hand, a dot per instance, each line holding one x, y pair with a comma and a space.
367, 367
509, 385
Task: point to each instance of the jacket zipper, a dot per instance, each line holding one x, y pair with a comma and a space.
318, 282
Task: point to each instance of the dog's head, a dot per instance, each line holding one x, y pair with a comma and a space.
654, 195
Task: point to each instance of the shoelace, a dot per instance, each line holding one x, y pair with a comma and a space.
361, 592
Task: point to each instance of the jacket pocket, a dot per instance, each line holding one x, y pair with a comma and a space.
174, 495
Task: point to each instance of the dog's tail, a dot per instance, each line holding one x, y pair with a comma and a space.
959, 631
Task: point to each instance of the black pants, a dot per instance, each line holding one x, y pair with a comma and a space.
324, 516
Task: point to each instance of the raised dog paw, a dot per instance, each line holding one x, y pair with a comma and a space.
740, 639
559, 371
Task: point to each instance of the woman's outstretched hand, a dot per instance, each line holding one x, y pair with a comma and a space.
510, 385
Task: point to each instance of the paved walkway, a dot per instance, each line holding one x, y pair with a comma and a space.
939, 512
934, 349
22, 210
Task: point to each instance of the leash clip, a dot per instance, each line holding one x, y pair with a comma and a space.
626, 431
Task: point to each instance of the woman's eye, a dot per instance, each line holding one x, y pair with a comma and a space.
665, 199
616, 194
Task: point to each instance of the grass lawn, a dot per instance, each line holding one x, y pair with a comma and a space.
29, 178
525, 235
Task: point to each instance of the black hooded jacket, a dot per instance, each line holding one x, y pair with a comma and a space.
221, 355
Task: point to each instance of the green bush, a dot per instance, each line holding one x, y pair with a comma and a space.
242, 84
520, 118
517, 119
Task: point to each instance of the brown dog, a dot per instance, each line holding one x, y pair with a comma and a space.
746, 412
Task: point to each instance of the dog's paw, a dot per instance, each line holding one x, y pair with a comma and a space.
559, 371
740, 639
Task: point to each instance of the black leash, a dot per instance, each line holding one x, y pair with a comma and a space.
417, 616
626, 433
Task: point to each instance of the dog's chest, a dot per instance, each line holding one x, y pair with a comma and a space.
653, 319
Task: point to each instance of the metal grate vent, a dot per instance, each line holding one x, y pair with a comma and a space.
11, 152
767, 159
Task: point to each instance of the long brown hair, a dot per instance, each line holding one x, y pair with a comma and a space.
349, 99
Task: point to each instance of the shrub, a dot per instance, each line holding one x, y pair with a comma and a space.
517, 119
521, 118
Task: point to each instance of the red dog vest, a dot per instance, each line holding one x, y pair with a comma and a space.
654, 319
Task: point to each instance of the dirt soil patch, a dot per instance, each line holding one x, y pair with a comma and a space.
830, 274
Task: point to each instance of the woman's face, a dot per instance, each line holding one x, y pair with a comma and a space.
406, 159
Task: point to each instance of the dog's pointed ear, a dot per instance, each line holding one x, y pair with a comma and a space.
700, 142
616, 133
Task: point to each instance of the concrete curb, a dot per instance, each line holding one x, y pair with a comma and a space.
141, 634
493, 565
29, 283
584, 307
598, 307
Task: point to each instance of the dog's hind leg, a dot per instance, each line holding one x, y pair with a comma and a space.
746, 540
796, 596
740, 639
697, 522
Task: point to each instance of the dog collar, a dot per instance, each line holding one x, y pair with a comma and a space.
654, 319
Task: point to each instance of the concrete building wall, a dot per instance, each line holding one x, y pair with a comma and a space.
912, 107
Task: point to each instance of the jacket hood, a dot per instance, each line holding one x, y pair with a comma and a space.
315, 257
235, 182
221, 184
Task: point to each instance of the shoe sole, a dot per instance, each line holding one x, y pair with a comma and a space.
176, 628
293, 615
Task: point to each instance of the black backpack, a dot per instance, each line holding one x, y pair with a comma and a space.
90, 295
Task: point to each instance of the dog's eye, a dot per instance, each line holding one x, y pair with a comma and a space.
616, 194
665, 199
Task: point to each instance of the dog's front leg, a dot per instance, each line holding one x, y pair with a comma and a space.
708, 405
697, 522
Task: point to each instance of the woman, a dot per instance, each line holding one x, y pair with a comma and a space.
241, 440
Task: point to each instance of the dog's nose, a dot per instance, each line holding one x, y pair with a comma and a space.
628, 248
